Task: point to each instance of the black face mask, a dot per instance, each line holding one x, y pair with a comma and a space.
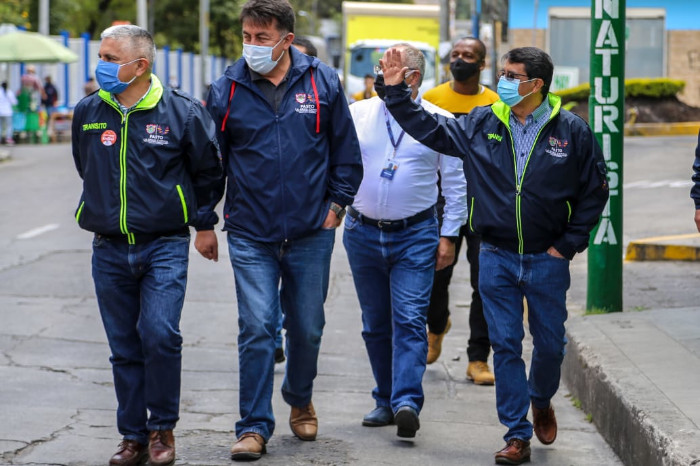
379, 86
462, 70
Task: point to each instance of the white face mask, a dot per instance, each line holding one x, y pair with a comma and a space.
259, 57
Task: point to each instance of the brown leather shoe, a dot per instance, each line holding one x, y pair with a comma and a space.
303, 422
516, 451
435, 343
250, 446
545, 424
161, 448
130, 453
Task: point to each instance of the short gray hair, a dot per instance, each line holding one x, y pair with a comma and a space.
412, 58
140, 40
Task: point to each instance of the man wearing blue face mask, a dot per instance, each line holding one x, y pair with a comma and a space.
149, 159
537, 185
292, 164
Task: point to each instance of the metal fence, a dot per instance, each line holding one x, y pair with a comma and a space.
173, 67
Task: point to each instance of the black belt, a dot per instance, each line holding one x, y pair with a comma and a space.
393, 225
141, 238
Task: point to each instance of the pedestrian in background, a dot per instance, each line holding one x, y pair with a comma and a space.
50, 97
537, 186
304, 45
459, 96
394, 247
368, 92
7, 102
148, 157
90, 86
292, 164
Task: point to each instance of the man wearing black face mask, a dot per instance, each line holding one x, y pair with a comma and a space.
459, 96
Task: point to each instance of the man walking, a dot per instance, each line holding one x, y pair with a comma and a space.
293, 163
537, 186
459, 96
149, 158
393, 244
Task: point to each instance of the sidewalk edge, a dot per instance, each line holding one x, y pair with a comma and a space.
630, 430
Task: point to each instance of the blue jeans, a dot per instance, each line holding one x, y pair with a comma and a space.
505, 278
140, 292
303, 267
393, 275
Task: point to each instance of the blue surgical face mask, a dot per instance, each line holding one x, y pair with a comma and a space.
259, 57
508, 91
107, 74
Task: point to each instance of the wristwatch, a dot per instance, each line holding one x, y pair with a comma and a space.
338, 210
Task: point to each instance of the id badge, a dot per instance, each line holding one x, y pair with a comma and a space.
389, 169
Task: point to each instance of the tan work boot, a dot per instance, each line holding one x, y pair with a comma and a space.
479, 373
435, 343
250, 446
303, 422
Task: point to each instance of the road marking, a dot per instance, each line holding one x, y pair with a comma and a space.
38, 231
647, 184
668, 238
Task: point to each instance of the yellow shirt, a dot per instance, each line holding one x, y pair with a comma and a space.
361, 95
459, 104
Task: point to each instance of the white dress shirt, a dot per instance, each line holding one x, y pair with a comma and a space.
413, 187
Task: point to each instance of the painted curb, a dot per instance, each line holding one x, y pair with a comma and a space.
688, 128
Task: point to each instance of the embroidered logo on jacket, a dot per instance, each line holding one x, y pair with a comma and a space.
156, 134
495, 136
556, 147
305, 103
92, 126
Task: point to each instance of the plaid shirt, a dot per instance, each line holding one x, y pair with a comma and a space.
524, 135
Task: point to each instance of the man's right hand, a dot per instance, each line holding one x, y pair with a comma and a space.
392, 68
206, 243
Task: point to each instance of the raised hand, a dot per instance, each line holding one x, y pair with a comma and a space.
392, 67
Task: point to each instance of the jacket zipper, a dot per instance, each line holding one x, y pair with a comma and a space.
519, 184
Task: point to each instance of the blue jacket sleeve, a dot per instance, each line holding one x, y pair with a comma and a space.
204, 164
345, 165
695, 190
440, 133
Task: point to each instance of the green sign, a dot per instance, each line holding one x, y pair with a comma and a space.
607, 115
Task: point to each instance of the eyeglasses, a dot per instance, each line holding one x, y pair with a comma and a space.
510, 76
378, 71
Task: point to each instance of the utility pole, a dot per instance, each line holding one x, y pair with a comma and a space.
141, 14
44, 17
606, 113
203, 44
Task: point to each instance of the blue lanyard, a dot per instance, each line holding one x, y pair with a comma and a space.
394, 143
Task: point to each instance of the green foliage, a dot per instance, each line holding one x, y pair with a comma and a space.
637, 87
15, 12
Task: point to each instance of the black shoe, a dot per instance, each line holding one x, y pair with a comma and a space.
407, 422
279, 355
379, 416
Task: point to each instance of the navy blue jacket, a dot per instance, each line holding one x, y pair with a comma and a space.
563, 189
284, 168
149, 171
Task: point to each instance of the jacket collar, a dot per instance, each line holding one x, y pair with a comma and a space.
502, 111
148, 101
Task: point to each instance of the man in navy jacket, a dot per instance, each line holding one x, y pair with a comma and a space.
536, 188
292, 163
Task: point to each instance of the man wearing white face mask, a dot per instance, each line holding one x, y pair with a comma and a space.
537, 186
292, 164
149, 158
